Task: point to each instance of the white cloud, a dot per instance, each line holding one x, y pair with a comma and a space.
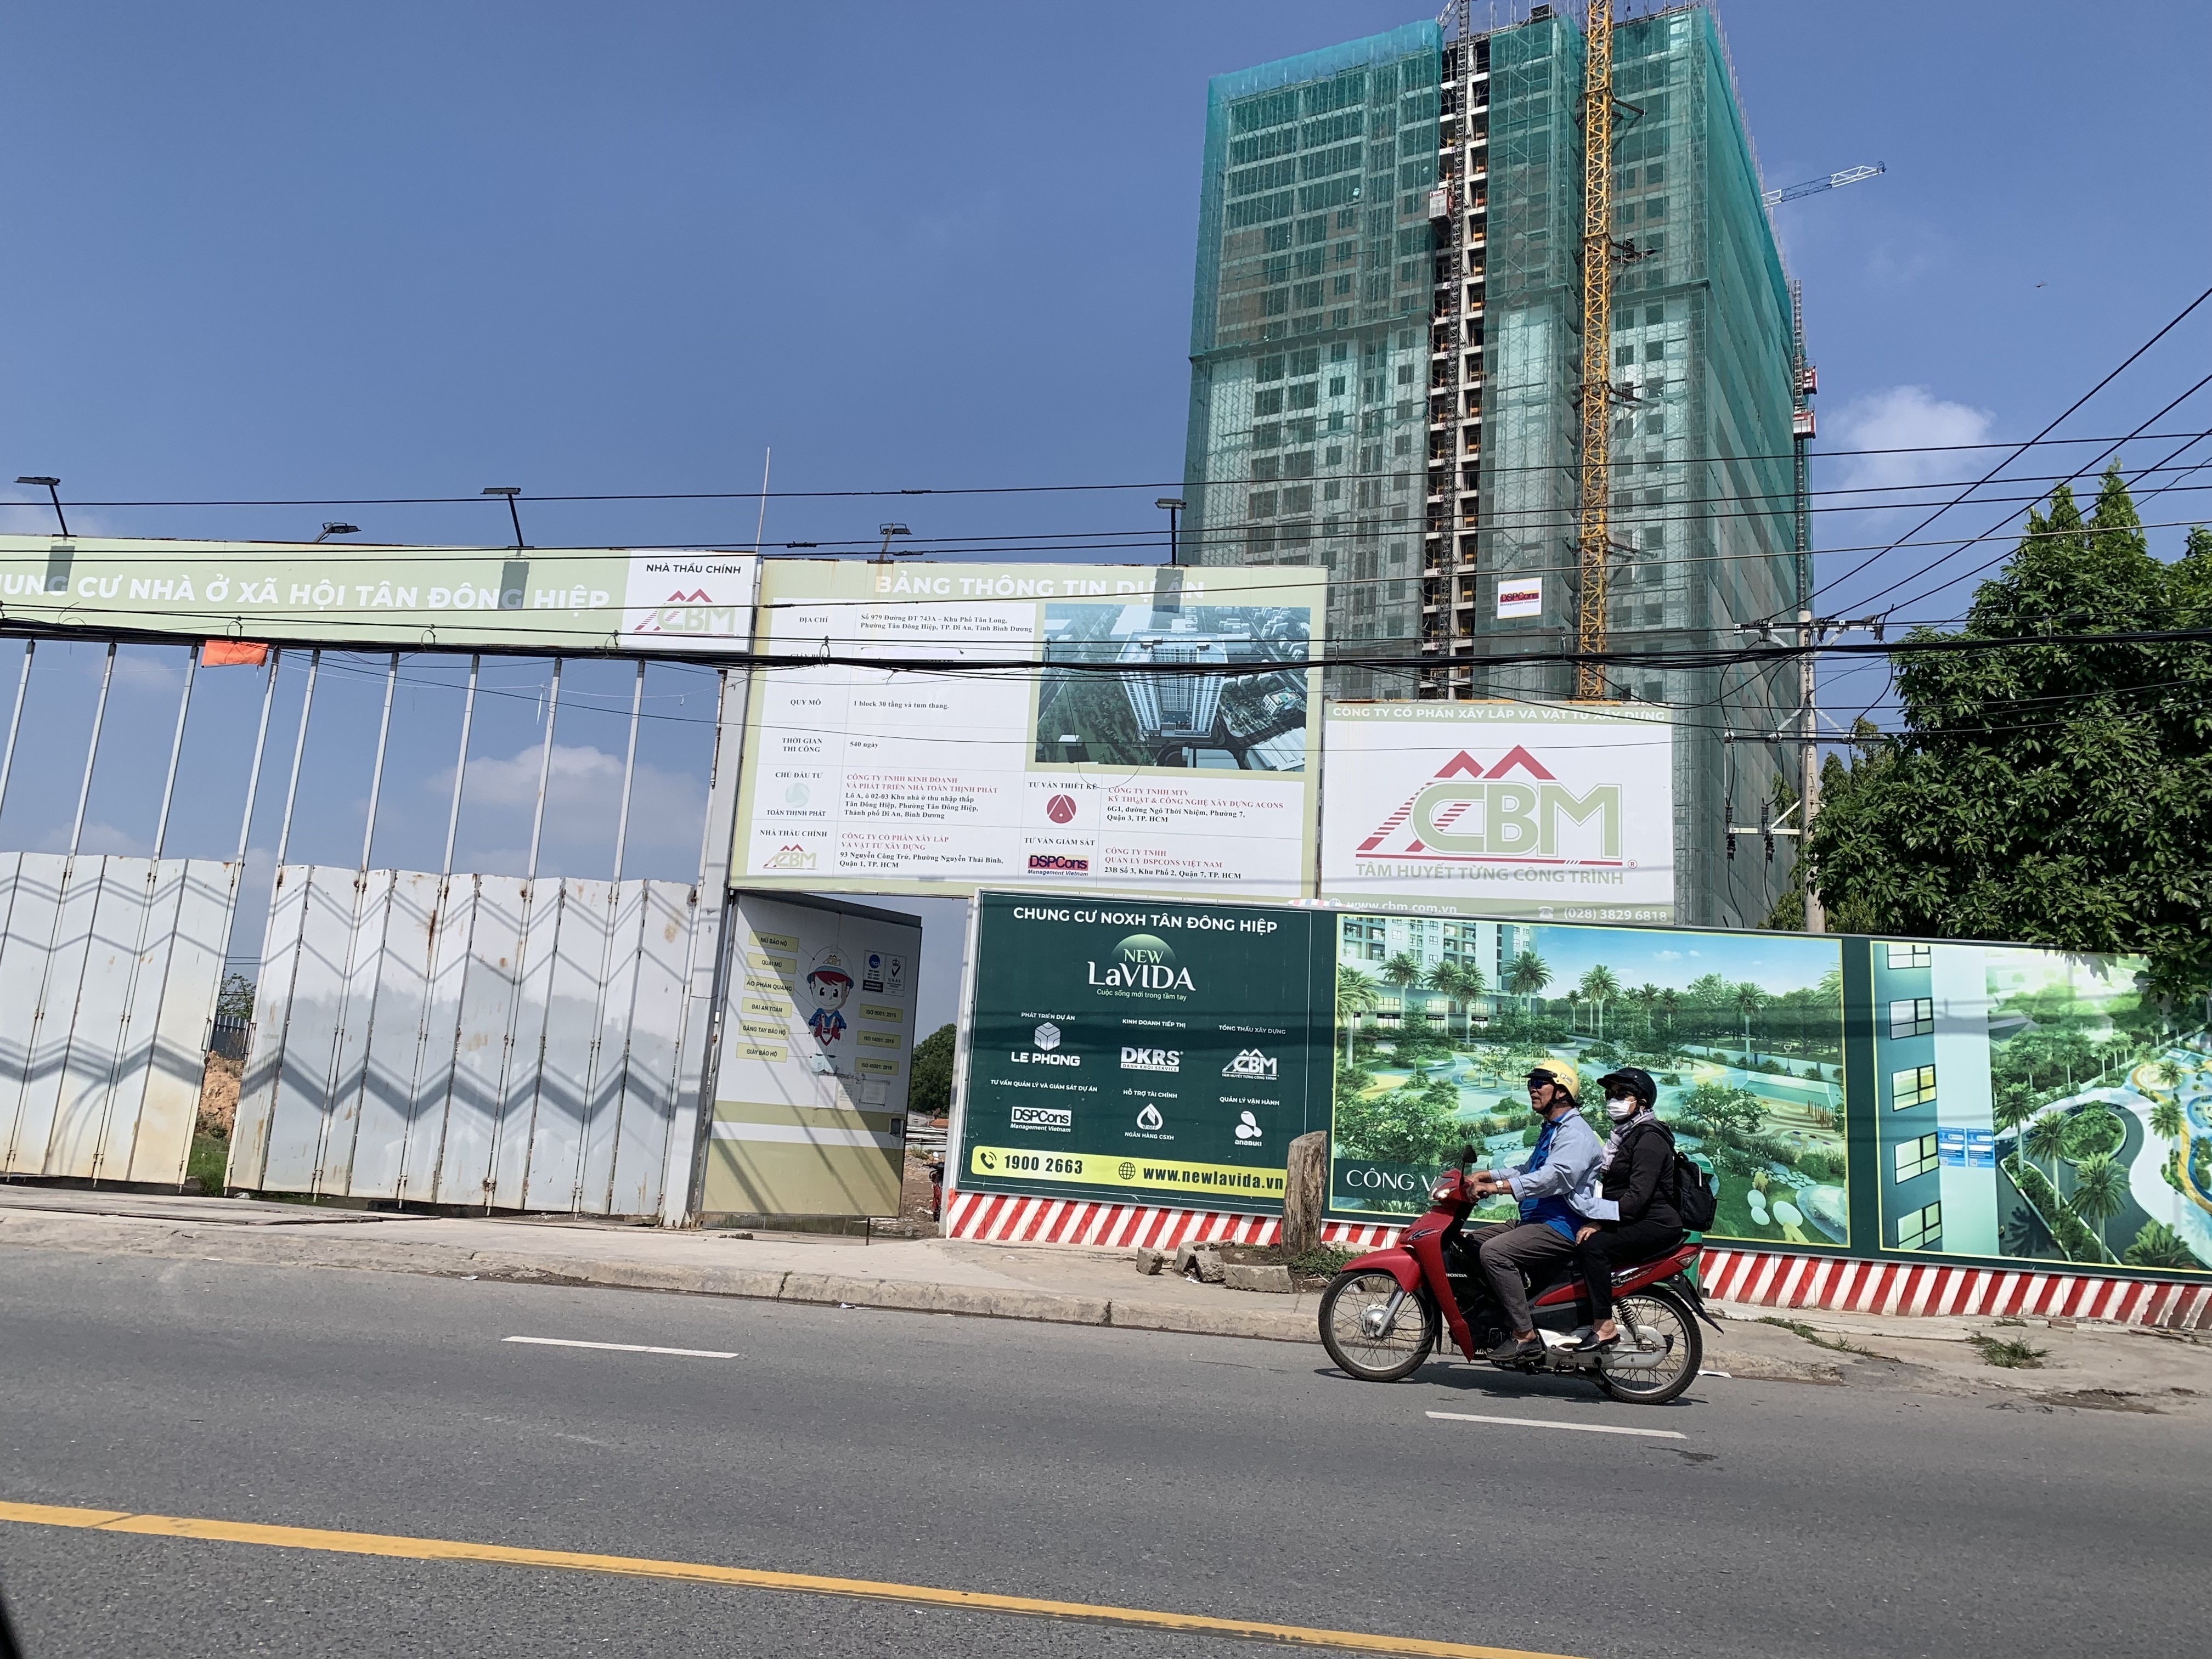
1911, 420
583, 788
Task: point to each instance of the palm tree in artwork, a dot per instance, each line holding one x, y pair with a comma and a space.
1405, 971
1646, 998
1355, 996
2047, 1140
1527, 977
1749, 999
1449, 981
1670, 999
2165, 1119
1471, 985
1601, 985
2101, 1187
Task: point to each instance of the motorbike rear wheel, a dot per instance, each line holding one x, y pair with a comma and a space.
1659, 1316
1352, 1309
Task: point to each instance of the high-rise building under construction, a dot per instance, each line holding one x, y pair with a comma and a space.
1387, 371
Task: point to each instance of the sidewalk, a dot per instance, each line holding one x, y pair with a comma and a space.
2089, 1365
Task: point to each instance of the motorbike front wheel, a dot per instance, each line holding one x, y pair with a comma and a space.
1371, 1336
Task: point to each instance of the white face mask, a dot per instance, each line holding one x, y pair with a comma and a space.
1620, 1110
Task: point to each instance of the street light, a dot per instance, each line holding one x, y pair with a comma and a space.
1174, 505
54, 488
332, 527
510, 491
887, 531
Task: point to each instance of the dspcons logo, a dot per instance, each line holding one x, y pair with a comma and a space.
1047, 1038
1058, 863
1152, 1059
1142, 962
1043, 1117
1252, 1065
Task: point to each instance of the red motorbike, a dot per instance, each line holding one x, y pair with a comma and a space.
1382, 1315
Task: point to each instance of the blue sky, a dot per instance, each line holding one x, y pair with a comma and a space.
275, 251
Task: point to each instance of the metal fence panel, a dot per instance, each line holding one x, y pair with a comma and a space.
474, 1041
427, 1128
526, 1046
483, 1032
265, 1064
655, 1035
173, 1062
575, 983
393, 1052
91, 1025
34, 900
611, 1026
55, 1007
135, 931
306, 1096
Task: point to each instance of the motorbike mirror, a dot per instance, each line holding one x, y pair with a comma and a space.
1466, 1156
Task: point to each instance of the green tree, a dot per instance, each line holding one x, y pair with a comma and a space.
1474, 985
1403, 970
1646, 999
929, 1075
2166, 1120
1355, 996
1412, 1124
235, 998
2046, 1138
1445, 979
1601, 985
1747, 1000
1574, 1000
2157, 1245
2055, 791
2101, 1187
1730, 1112
2011, 1109
1526, 977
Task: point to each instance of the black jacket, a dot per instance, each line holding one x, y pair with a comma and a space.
1641, 1177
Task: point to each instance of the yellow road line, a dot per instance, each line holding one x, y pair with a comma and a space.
446, 1549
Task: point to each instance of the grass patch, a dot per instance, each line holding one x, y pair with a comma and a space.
210, 1154
2009, 1353
1833, 1344
1322, 1261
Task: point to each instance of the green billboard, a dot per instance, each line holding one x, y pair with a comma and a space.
1138, 1051
1958, 1103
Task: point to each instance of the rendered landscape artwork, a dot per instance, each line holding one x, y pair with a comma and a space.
1744, 1033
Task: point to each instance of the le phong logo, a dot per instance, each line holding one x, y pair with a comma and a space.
1142, 963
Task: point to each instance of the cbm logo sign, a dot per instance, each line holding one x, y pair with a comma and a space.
1470, 811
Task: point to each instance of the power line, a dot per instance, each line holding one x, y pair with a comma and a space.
2023, 448
2041, 439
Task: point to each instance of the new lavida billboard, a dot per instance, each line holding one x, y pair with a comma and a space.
1148, 1052
1551, 812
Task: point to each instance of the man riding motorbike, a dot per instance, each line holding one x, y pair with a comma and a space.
1555, 1186
1635, 1220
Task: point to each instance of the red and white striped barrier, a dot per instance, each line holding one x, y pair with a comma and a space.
1761, 1278
1765, 1279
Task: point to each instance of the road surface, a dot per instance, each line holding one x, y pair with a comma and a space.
1241, 1481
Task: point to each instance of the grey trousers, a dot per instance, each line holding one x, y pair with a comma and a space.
1508, 1250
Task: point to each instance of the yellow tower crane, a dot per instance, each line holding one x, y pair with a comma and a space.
1597, 392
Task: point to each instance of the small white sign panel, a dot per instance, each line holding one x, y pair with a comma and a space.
1520, 596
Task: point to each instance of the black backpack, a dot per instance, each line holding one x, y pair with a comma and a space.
1695, 1202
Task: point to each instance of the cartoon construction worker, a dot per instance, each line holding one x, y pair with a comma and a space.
828, 984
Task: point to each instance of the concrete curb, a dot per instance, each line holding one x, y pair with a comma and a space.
214, 1241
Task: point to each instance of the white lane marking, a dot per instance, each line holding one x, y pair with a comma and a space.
622, 1347
1579, 1428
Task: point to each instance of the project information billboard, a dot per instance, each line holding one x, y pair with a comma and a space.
1548, 812
1138, 778
1141, 1052
403, 598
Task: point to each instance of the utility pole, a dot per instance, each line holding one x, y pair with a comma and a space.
1808, 784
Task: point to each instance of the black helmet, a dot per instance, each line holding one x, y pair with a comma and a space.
1630, 1080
